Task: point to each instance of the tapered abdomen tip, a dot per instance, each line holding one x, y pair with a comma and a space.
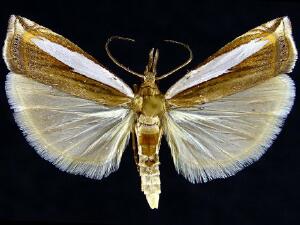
153, 200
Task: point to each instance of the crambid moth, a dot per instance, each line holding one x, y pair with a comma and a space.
218, 118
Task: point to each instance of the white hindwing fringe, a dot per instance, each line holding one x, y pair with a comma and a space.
77, 135
217, 139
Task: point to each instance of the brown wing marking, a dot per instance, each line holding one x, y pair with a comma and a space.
276, 57
24, 57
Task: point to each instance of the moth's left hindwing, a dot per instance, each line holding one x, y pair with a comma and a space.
224, 114
219, 138
72, 110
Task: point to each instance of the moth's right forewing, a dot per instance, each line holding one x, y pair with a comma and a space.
40, 54
261, 53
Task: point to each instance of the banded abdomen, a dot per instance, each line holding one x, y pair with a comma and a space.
148, 131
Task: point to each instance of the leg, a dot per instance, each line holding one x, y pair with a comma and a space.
134, 148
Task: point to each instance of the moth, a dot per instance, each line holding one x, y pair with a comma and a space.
217, 119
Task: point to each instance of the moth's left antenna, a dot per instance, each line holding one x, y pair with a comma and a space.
183, 64
116, 61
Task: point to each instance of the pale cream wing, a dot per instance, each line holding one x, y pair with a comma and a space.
219, 138
77, 135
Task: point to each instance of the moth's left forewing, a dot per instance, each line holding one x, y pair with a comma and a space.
259, 54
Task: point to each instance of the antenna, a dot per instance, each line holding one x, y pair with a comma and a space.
182, 65
142, 75
116, 61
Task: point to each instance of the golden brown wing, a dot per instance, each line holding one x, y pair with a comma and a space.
261, 53
38, 53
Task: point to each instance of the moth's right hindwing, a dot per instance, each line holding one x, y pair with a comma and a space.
77, 135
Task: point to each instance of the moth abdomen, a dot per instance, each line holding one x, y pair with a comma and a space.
148, 132
150, 180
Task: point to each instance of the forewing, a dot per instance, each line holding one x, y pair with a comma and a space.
77, 135
219, 138
261, 53
40, 54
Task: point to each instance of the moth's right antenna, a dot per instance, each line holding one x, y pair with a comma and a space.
116, 61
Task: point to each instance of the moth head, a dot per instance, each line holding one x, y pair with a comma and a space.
150, 71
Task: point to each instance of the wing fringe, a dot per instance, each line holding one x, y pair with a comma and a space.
64, 163
198, 173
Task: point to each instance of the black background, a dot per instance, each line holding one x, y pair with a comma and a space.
32, 189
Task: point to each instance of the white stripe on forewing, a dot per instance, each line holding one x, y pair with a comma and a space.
80, 64
216, 67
